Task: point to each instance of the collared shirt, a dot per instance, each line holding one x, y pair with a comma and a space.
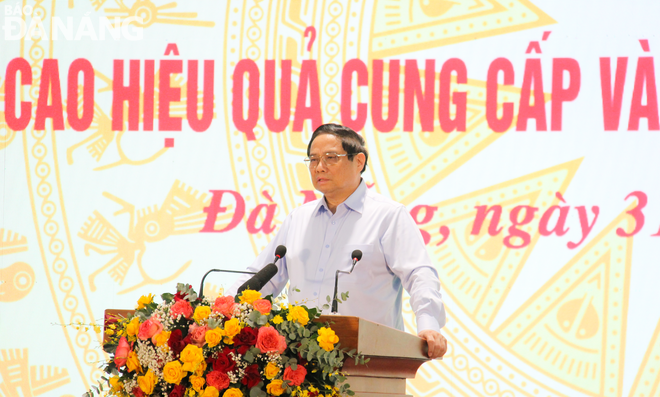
393, 257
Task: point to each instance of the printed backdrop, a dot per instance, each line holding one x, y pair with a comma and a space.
144, 142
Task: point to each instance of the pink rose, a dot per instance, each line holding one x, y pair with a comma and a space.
225, 305
262, 306
295, 377
121, 354
149, 328
197, 333
183, 308
269, 340
217, 379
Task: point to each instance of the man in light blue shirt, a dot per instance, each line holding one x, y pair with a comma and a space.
321, 235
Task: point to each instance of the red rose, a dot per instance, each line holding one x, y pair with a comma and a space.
175, 343
183, 308
252, 376
296, 377
197, 333
242, 349
217, 379
247, 337
149, 328
301, 359
121, 354
269, 340
263, 306
223, 363
225, 305
110, 319
180, 296
178, 391
137, 392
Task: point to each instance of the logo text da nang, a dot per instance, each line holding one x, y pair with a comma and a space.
21, 23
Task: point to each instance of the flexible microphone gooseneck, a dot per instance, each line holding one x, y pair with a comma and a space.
201, 286
356, 256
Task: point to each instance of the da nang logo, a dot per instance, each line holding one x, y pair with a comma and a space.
25, 23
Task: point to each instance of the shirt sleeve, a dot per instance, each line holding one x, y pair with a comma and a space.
407, 257
278, 282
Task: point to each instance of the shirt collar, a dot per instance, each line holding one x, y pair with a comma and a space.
355, 201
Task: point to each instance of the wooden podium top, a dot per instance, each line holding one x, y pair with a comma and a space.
373, 339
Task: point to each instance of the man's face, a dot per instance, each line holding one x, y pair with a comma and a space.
338, 179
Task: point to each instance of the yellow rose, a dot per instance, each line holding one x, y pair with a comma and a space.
162, 337
133, 327
327, 338
115, 385
201, 368
232, 328
144, 301
191, 356
275, 388
271, 370
233, 392
298, 314
277, 319
201, 313
147, 382
249, 296
133, 363
214, 336
197, 382
211, 392
172, 372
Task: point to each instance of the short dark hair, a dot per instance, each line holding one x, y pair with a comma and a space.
351, 141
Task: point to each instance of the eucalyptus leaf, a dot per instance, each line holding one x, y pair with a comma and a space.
327, 298
213, 323
306, 333
257, 392
326, 307
249, 357
254, 316
294, 367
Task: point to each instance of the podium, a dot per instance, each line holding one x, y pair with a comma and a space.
394, 355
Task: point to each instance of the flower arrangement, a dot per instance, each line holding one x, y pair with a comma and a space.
229, 347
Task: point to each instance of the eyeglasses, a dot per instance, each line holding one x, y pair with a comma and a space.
328, 159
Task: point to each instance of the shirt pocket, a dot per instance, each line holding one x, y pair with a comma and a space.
365, 249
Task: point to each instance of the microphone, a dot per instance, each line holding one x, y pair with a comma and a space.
280, 251
355, 256
260, 279
201, 285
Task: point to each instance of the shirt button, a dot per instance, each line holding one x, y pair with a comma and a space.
333, 222
315, 294
321, 270
327, 246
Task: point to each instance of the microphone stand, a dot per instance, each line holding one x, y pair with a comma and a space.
334, 298
201, 285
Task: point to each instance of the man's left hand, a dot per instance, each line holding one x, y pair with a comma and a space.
437, 343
